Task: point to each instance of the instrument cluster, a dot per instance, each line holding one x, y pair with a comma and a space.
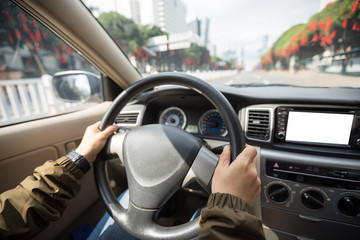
210, 123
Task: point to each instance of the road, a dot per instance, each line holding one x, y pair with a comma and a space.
300, 79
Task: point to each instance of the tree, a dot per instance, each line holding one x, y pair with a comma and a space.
124, 31
335, 28
148, 31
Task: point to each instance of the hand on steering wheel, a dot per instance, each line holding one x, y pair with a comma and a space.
160, 159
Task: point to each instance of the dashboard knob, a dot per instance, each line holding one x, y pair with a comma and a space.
278, 193
358, 141
281, 135
312, 199
349, 206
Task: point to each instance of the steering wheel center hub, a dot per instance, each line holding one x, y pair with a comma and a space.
157, 158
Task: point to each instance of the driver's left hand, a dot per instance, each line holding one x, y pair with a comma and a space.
94, 140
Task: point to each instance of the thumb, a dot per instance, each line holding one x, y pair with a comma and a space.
225, 156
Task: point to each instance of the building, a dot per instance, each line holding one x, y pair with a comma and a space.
201, 28
204, 31
174, 41
129, 9
169, 15
230, 55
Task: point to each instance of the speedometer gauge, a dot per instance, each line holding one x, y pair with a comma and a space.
173, 116
211, 123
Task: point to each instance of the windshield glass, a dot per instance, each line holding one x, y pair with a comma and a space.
237, 43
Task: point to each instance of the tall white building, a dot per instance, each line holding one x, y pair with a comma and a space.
204, 31
129, 9
169, 15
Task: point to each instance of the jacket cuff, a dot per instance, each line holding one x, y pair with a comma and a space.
70, 167
225, 200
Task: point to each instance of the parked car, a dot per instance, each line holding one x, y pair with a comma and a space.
62, 70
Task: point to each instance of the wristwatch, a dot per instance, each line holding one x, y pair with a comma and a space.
79, 160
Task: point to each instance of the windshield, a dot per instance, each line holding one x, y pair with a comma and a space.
237, 43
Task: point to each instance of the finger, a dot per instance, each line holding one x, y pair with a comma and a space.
247, 155
254, 162
110, 130
97, 124
225, 156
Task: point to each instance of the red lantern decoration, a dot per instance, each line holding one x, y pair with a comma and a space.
304, 41
17, 33
8, 15
345, 23
31, 36
322, 43
321, 24
315, 38
328, 40
25, 27
355, 6
333, 34
11, 39
354, 26
312, 26
63, 58
328, 23
37, 35
34, 22
23, 18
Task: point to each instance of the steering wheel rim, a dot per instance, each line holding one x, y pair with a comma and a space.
121, 215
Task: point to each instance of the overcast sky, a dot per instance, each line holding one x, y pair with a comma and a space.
238, 24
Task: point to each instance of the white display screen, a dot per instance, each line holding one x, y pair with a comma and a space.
319, 127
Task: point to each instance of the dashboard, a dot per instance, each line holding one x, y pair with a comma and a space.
309, 141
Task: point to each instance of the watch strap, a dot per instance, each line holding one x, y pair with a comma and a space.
79, 160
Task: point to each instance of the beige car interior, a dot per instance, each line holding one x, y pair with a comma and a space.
27, 145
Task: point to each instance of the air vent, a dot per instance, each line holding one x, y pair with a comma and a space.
127, 118
258, 125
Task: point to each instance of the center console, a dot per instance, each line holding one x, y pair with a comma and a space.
309, 195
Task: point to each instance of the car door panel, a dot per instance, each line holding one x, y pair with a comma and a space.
27, 145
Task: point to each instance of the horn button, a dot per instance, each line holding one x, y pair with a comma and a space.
157, 159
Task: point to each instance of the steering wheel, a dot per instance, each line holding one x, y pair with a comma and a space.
160, 159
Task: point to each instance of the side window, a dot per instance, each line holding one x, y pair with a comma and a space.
40, 75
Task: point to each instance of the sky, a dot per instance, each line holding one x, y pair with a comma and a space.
243, 24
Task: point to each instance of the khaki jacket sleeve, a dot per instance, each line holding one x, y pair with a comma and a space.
226, 217
39, 199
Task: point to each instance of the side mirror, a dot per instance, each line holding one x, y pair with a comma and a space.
77, 86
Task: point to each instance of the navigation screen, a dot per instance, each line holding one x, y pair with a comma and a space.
319, 127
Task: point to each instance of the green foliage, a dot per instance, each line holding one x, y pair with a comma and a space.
338, 10
124, 31
285, 39
335, 27
148, 31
